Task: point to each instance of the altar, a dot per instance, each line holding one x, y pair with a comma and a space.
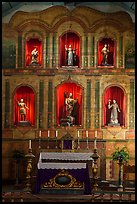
64, 173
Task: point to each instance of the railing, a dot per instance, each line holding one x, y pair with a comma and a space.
99, 196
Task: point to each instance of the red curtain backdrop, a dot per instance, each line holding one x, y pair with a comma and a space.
111, 51
114, 93
69, 39
30, 45
68, 87
27, 94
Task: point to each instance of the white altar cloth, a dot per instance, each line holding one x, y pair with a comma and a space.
52, 160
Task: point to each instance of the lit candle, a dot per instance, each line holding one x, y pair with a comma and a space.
86, 133
78, 133
29, 144
56, 133
48, 133
40, 133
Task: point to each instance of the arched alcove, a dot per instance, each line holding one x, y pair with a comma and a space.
62, 91
29, 47
69, 38
111, 55
27, 94
114, 93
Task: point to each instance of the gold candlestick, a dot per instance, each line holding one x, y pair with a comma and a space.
95, 156
29, 156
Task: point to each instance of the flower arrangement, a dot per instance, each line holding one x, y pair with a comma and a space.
121, 155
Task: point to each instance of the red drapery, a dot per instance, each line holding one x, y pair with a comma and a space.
30, 45
69, 39
111, 51
117, 94
68, 87
27, 94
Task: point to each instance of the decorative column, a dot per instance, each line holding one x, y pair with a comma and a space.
29, 157
97, 97
41, 103
7, 104
47, 51
50, 90
88, 104
20, 50
132, 105
53, 50
89, 50
121, 51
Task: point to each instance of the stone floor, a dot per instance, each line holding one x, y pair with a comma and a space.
14, 193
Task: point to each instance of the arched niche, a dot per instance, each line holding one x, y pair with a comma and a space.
61, 91
114, 93
69, 38
32, 43
111, 55
27, 94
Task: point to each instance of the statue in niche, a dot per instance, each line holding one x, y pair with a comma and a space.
71, 55
23, 108
114, 112
34, 56
105, 52
70, 104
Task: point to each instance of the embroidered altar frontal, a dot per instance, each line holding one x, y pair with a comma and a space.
63, 173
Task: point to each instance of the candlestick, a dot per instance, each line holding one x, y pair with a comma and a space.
48, 133
40, 133
86, 133
29, 144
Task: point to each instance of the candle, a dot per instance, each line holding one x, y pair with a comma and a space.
56, 133
95, 134
29, 144
48, 133
78, 133
95, 144
87, 133
40, 133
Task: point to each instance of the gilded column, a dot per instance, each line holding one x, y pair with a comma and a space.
88, 104
132, 105
89, 50
7, 104
50, 49
121, 51
20, 51
47, 51
92, 50
54, 50
82, 52
50, 89
97, 96
41, 103
85, 51
44, 53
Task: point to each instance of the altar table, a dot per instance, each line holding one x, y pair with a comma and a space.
51, 163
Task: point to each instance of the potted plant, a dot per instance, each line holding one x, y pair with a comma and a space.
122, 156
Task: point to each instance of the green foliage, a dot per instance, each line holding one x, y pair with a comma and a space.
121, 154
